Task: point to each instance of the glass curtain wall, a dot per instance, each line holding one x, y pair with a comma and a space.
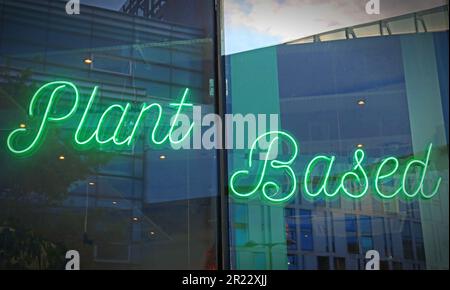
336, 93
127, 207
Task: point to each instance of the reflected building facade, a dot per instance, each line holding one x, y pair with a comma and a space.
136, 208
382, 87
174, 11
159, 208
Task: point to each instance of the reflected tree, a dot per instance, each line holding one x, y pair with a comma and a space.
23, 249
33, 188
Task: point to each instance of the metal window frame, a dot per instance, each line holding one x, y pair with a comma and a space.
223, 246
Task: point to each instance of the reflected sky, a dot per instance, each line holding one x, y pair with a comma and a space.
251, 24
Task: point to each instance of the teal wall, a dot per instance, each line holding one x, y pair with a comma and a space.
254, 90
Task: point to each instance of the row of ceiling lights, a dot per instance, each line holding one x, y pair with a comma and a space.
135, 219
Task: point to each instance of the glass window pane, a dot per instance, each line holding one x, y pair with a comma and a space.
307, 240
350, 223
96, 182
365, 223
364, 93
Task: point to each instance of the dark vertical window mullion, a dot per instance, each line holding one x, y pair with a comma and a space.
223, 250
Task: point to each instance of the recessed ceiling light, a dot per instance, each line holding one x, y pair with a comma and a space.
88, 61
360, 146
361, 102
61, 157
163, 157
22, 125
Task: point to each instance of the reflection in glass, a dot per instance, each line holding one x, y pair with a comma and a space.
128, 209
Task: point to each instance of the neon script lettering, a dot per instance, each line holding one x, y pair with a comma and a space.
24, 141
276, 181
273, 178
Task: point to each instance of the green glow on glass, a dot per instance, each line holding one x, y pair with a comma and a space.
145, 109
274, 164
83, 119
358, 159
269, 189
324, 180
358, 174
424, 165
168, 137
95, 138
46, 118
379, 177
96, 134
175, 121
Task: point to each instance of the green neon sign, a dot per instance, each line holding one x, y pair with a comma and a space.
261, 180
262, 184
258, 179
20, 144
47, 117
